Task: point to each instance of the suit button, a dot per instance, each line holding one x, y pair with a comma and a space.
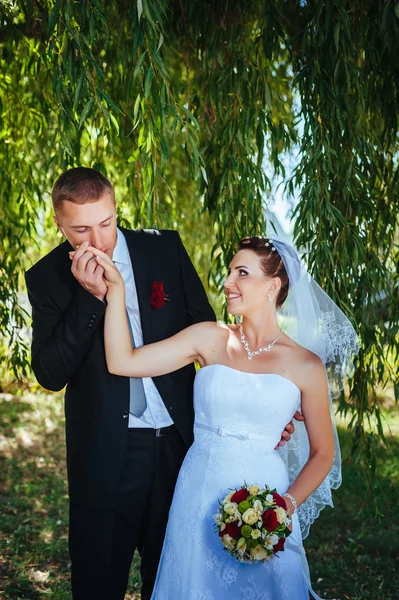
94, 315
125, 414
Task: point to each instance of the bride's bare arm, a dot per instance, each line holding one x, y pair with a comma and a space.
151, 360
316, 410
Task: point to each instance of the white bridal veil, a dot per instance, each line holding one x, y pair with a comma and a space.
314, 321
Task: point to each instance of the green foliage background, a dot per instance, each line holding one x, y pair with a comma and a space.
181, 104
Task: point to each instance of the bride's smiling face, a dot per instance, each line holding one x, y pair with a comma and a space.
247, 287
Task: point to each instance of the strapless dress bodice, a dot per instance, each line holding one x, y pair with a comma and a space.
255, 405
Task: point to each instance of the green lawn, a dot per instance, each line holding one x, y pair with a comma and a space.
351, 553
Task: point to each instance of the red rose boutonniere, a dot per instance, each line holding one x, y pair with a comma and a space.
158, 296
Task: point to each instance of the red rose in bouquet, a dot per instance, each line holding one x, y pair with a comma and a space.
269, 519
280, 545
232, 529
279, 500
158, 296
240, 496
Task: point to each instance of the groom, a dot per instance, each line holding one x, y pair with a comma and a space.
126, 438
122, 467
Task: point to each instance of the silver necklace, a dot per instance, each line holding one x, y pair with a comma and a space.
267, 349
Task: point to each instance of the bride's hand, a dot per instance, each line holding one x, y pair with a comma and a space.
290, 510
111, 275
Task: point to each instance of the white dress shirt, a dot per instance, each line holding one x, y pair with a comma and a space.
155, 415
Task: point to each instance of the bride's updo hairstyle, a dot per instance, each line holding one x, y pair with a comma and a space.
271, 262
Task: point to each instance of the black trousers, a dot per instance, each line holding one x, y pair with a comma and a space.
102, 540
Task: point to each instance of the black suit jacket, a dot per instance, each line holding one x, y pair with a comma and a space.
68, 350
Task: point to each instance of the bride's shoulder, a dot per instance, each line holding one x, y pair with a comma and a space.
211, 332
301, 356
210, 328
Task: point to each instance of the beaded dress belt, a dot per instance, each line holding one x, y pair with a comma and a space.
227, 432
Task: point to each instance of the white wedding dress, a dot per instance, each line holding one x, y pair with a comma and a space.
239, 418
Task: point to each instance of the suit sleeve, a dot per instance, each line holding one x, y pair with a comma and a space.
198, 307
60, 341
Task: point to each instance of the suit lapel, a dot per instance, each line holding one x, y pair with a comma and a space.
141, 270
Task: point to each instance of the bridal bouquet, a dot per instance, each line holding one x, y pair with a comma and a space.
252, 523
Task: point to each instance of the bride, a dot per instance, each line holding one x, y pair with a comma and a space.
254, 376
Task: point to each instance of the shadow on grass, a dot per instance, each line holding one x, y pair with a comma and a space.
351, 553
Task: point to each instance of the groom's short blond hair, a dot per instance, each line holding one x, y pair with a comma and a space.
80, 185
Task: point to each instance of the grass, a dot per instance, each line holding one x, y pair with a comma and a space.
351, 553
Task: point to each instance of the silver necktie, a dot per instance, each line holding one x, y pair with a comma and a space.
138, 401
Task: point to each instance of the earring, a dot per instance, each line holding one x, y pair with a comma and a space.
269, 297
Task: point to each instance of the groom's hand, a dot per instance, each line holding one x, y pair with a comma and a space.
289, 430
88, 272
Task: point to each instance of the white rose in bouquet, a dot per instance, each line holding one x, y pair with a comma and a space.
228, 541
228, 497
250, 516
258, 553
280, 514
230, 508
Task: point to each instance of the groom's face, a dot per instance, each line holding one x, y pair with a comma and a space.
93, 222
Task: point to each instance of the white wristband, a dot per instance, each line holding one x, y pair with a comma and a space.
293, 501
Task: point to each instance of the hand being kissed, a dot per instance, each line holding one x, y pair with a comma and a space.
86, 269
94, 270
